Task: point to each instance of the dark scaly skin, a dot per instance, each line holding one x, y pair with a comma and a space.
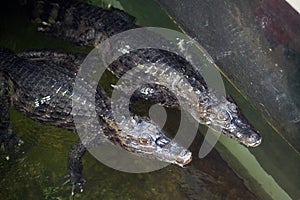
26, 83
40, 85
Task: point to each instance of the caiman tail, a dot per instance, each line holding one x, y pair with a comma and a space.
80, 23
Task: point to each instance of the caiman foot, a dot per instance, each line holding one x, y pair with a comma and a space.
75, 166
77, 182
10, 142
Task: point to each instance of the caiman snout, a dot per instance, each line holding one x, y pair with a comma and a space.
254, 140
184, 158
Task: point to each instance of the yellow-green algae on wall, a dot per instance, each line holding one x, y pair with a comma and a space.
246, 165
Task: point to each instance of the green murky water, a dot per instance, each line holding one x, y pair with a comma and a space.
38, 170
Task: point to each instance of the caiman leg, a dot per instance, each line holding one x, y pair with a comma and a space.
75, 166
7, 139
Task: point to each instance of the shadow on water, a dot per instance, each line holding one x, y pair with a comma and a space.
38, 170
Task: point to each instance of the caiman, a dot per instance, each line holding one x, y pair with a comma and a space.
41, 88
84, 24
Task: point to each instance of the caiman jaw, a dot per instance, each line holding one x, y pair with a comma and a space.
249, 138
243, 131
222, 114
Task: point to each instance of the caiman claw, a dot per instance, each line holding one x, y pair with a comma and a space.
75, 166
77, 182
10, 142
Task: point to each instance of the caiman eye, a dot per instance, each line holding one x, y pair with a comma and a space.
144, 140
222, 117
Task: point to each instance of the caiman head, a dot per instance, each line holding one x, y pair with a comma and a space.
142, 136
222, 113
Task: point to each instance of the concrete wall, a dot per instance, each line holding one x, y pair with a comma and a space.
258, 57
